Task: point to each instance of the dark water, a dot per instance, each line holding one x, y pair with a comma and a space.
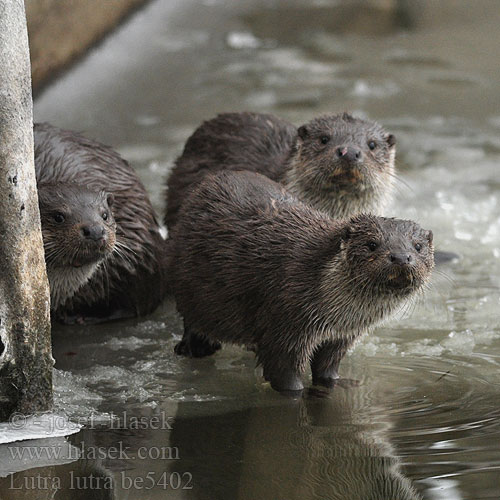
425, 421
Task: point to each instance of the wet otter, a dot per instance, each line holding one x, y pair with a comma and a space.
253, 265
337, 163
79, 178
79, 233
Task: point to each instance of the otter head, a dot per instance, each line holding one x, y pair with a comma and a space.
78, 231
390, 257
343, 165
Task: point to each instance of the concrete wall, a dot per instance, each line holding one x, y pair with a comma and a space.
61, 30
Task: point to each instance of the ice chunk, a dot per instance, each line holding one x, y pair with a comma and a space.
364, 89
130, 343
424, 347
72, 397
242, 40
460, 342
47, 425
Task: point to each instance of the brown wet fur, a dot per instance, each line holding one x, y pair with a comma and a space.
131, 280
252, 265
304, 159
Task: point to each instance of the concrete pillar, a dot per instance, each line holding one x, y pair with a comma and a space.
25, 348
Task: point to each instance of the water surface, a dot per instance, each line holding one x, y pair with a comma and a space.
425, 421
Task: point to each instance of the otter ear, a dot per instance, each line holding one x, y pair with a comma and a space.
303, 132
110, 199
429, 236
391, 140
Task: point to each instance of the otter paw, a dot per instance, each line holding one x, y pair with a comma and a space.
196, 347
200, 349
289, 383
326, 377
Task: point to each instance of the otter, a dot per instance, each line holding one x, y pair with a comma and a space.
94, 190
253, 265
79, 233
337, 163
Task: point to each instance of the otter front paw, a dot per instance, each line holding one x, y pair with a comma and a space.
196, 347
325, 377
286, 382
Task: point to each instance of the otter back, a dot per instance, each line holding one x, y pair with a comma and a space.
132, 282
231, 141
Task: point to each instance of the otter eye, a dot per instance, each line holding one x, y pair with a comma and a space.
105, 216
418, 247
372, 145
372, 245
59, 217
324, 139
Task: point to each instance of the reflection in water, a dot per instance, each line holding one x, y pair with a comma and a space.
82, 479
314, 448
69, 482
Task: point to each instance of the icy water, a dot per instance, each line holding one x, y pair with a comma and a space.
425, 422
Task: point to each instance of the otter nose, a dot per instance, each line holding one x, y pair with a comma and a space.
348, 153
400, 258
95, 233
